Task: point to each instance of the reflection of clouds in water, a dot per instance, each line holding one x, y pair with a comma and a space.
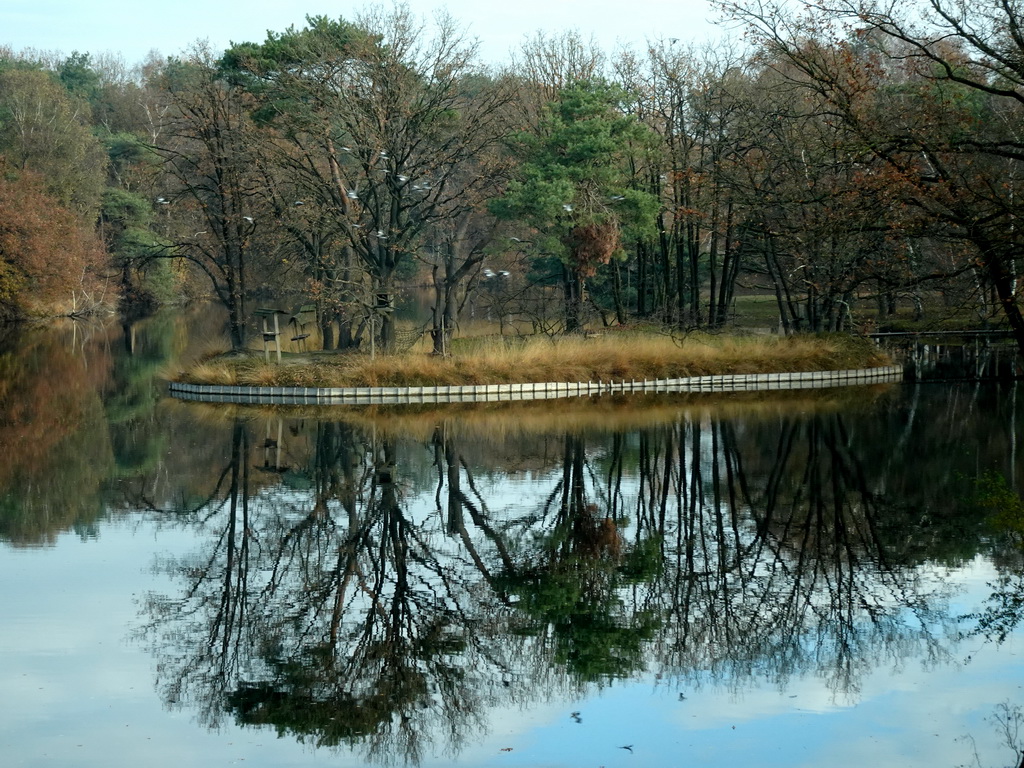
917, 718
74, 691
753, 699
823, 722
517, 728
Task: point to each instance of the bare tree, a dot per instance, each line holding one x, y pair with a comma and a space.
390, 114
211, 150
934, 90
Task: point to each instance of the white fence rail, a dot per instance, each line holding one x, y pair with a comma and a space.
473, 393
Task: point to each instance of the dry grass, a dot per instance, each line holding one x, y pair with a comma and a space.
611, 357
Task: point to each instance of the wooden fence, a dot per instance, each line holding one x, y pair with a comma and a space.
486, 393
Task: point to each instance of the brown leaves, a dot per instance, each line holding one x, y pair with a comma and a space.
46, 251
592, 245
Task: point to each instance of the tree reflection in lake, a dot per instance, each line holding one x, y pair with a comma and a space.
391, 582
50, 416
786, 571
79, 405
383, 586
323, 607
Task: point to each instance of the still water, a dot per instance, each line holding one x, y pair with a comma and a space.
832, 578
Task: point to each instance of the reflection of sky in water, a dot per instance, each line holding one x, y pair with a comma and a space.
76, 691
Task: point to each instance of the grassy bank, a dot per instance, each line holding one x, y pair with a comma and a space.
611, 357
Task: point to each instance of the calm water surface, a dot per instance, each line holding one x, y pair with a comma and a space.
812, 579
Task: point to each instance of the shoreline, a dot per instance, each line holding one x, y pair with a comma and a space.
478, 393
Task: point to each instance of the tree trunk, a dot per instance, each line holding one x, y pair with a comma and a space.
1001, 277
730, 271
572, 287
620, 305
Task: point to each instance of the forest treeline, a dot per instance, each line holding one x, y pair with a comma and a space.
846, 160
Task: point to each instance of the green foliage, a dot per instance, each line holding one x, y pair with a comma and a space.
128, 218
77, 75
134, 247
125, 208
291, 49
643, 563
574, 172
577, 599
125, 150
272, 70
1003, 506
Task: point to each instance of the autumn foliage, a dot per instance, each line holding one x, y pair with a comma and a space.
594, 244
49, 258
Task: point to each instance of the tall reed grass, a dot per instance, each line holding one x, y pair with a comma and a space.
611, 357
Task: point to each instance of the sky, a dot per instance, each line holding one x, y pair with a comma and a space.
133, 29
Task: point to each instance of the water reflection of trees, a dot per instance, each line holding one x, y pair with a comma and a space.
327, 611
787, 570
56, 452
339, 598
79, 420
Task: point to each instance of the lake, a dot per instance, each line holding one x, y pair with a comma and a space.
798, 579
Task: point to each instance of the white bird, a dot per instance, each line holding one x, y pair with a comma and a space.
566, 206
299, 202
163, 201
346, 149
403, 178
381, 234
352, 194
248, 218
504, 273
488, 273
